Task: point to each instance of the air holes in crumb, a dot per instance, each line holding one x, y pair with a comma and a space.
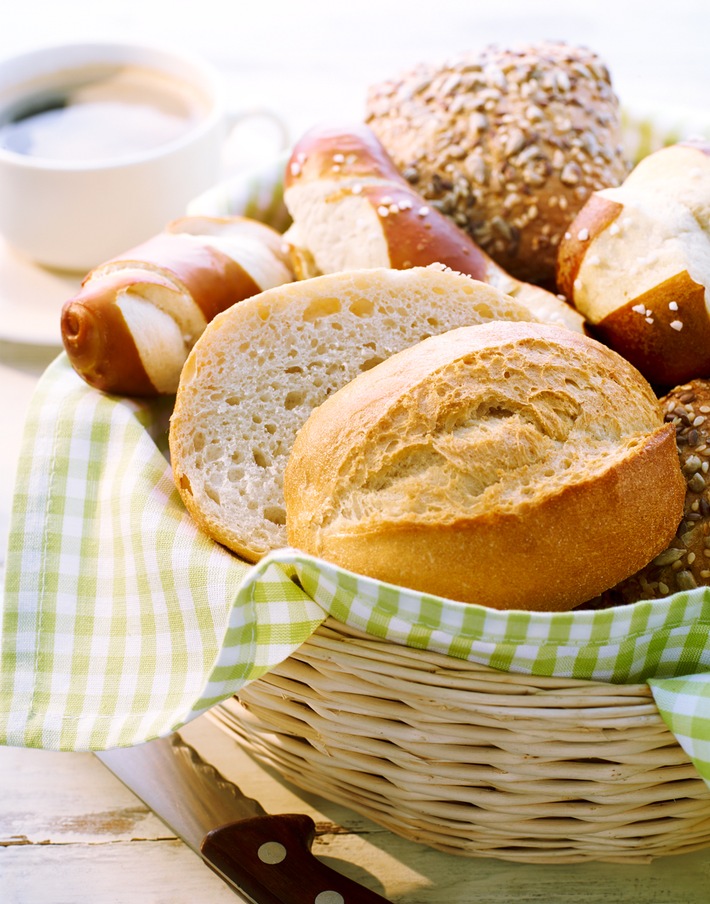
433, 321
321, 307
185, 483
362, 307
294, 369
198, 442
275, 514
212, 493
260, 459
231, 400
293, 399
270, 428
369, 363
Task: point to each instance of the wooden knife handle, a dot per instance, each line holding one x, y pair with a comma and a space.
269, 858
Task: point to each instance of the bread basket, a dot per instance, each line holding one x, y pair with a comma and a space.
472, 760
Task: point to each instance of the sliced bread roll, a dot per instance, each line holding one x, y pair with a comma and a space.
261, 367
515, 465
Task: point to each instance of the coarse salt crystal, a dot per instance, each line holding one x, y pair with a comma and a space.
639, 308
676, 325
672, 305
583, 235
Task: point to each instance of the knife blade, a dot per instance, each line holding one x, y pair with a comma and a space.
266, 858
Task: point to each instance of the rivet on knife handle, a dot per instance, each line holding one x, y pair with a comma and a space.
269, 858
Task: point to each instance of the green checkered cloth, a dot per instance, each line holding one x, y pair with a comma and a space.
122, 621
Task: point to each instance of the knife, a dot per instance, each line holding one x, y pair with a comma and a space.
267, 858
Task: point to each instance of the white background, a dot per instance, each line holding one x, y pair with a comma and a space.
311, 60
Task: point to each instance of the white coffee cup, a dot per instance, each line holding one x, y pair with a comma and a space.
71, 203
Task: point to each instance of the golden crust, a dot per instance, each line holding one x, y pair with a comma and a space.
512, 465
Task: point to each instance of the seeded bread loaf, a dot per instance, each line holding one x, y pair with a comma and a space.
515, 465
353, 209
636, 263
685, 563
259, 369
508, 142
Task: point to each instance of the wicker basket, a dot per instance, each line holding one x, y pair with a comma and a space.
474, 761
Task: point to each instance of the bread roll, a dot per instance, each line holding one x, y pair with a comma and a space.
352, 209
685, 563
131, 325
636, 263
515, 465
509, 143
260, 368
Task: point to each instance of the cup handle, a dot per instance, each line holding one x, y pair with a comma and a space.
276, 140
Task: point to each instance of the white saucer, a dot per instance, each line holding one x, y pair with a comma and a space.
31, 299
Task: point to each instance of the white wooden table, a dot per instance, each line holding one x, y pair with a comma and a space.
69, 831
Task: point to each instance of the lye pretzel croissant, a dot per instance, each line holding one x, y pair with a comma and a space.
636, 262
132, 324
352, 209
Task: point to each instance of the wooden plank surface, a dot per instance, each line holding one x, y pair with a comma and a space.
70, 832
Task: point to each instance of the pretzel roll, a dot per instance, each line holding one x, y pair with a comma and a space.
508, 142
353, 209
132, 324
636, 264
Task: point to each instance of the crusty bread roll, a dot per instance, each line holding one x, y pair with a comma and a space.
259, 369
507, 142
515, 465
685, 563
130, 327
636, 263
352, 209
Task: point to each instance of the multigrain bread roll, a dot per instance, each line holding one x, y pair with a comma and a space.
636, 263
685, 563
353, 209
515, 465
260, 368
507, 142
131, 325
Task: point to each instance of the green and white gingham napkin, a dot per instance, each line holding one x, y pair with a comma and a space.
122, 621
